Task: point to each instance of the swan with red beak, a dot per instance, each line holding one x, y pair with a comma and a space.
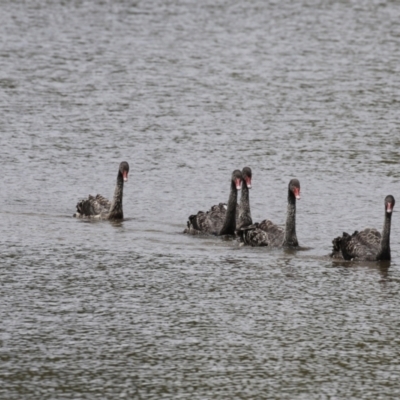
368, 244
101, 208
266, 233
220, 219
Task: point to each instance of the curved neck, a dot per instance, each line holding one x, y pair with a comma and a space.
290, 227
384, 247
244, 208
229, 226
116, 205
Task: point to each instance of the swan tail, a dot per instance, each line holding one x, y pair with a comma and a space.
92, 206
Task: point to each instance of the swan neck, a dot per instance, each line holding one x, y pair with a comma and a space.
244, 198
229, 226
290, 227
244, 208
116, 205
384, 251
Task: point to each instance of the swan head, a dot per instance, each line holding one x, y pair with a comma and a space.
237, 179
124, 170
389, 203
294, 187
246, 173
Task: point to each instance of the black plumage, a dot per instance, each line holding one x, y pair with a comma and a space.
266, 233
219, 219
244, 215
368, 244
101, 208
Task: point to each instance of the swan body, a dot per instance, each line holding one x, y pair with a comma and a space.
367, 245
219, 219
101, 208
266, 233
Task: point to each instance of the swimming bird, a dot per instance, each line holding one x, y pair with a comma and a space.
101, 208
266, 233
221, 218
369, 244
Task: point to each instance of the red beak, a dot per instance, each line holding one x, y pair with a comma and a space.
296, 192
125, 175
248, 182
238, 182
389, 207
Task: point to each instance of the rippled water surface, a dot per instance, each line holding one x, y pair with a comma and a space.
186, 92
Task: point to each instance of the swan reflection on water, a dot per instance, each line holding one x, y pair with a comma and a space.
346, 267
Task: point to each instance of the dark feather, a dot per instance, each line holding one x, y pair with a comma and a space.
93, 206
219, 219
367, 245
98, 206
209, 222
264, 233
360, 245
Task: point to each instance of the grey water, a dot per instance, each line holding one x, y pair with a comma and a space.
186, 92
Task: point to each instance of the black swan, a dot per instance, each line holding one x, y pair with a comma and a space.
367, 245
221, 218
267, 233
100, 207
244, 217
